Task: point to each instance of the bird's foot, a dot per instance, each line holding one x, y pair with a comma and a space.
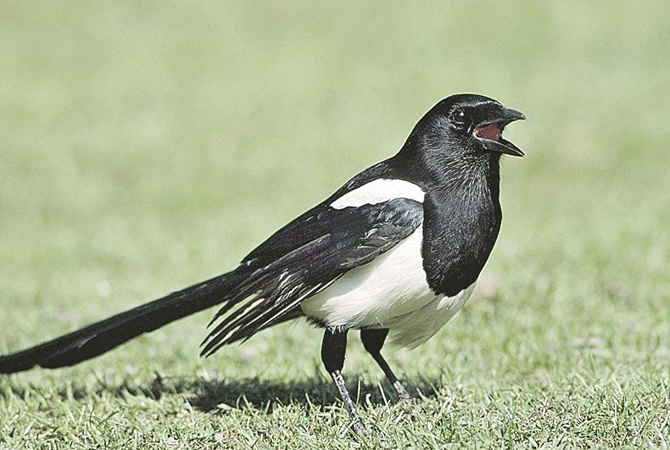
358, 426
403, 395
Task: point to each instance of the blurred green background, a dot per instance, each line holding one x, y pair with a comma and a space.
146, 146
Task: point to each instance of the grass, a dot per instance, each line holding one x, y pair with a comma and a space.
147, 146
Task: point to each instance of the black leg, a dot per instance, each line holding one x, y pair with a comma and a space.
333, 348
373, 341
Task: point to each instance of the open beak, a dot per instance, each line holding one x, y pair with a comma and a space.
489, 133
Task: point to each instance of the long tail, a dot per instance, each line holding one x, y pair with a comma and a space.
103, 336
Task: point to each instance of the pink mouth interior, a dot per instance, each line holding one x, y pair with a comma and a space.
491, 132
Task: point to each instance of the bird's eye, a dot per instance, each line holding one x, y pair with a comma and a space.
458, 117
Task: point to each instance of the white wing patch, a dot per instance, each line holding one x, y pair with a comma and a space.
379, 191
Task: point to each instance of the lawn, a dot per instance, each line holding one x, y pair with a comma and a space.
150, 145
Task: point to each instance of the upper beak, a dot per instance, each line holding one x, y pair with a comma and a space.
493, 141
512, 114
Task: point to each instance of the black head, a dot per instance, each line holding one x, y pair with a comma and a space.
464, 124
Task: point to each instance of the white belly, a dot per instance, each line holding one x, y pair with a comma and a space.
389, 292
415, 328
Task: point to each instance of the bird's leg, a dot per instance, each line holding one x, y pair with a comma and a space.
333, 348
373, 341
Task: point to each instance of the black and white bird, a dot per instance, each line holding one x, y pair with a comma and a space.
395, 253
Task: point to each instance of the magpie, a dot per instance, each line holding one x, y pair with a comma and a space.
394, 253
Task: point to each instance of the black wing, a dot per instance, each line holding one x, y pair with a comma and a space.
304, 258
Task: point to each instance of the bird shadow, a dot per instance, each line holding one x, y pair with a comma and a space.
255, 393
264, 395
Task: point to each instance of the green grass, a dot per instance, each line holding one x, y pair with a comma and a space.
149, 145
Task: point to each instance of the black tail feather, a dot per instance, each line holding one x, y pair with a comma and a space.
103, 336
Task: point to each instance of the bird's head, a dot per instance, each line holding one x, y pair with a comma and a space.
466, 124
481, 120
